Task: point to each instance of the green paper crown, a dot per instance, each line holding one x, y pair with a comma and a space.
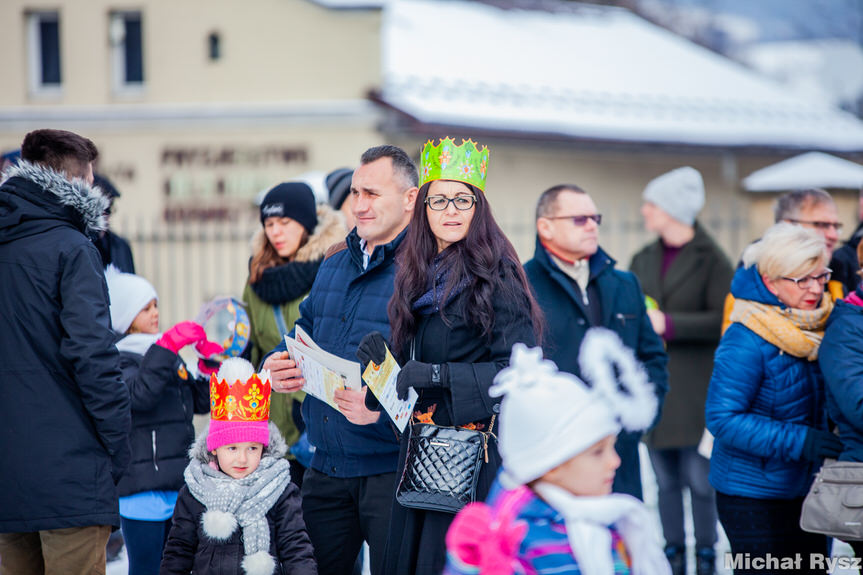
446, 161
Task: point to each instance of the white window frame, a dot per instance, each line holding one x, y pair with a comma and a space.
34, 55
117, 43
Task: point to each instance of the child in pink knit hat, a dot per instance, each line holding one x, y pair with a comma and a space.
238, 512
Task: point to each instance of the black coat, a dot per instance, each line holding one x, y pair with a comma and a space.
164, 398
114, 250
623, 311
190, 549
64, 433
416, 542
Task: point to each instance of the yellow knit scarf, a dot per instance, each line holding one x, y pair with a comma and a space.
794, 331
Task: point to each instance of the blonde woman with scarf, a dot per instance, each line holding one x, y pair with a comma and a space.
765, 404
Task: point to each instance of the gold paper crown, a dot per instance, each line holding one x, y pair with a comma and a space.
465, 163
249, 401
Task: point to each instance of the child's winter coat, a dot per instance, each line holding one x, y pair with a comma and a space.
164, 396
217, 546
530, 538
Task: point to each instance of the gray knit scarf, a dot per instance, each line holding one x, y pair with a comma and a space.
244, 502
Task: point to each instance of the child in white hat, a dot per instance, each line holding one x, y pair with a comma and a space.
164, 397
552, 510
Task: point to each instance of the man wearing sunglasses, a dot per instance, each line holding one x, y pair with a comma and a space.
577, 286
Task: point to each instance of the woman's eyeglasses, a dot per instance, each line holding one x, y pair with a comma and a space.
578, 220
806, 281
440, 203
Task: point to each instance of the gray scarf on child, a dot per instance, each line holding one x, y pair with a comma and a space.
244, 502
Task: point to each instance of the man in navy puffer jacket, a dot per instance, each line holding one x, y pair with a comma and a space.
348, 490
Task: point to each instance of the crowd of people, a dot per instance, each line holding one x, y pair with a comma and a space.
561, 366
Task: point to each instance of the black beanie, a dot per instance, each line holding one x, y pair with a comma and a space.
339, 185
294, 200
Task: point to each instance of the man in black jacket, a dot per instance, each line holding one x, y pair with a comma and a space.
577, 287
114, 249
65, 431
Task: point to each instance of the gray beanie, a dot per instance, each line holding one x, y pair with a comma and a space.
679, 193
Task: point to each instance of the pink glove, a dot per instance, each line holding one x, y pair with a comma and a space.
208, 367
481, 540
181, 335
208, 348
467, 532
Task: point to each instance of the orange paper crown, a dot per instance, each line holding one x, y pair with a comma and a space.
249, 401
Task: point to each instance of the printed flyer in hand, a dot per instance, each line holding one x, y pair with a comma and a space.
381, 379
324, 372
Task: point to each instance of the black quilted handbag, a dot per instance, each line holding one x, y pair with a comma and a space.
442, 467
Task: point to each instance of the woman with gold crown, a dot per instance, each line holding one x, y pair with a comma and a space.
461, 301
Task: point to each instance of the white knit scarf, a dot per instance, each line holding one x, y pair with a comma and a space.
587, 520
245, 501
138, 342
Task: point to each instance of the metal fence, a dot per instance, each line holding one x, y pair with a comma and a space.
190, 263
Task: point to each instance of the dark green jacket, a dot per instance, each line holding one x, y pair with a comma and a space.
692, 294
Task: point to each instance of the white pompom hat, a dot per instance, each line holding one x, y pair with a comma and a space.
129, 295
548, 417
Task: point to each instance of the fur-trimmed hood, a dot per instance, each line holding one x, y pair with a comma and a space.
276, 448
330, 230
87, 203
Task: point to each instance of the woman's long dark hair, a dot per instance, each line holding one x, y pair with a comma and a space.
485, 259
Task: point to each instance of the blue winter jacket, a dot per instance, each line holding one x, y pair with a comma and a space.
345, 303
841, 360
760, 404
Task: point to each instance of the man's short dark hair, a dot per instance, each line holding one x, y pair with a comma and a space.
545, 204
402, 163
788, 205
59, 150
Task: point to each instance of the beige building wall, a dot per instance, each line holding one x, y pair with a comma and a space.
202, 136
272, 51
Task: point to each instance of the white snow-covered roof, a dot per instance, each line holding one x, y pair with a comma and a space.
811, 170
350, 4
588, 72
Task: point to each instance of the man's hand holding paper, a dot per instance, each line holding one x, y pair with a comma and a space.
285, 376
352, 404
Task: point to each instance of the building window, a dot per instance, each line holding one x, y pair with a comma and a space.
44, 51
214, 46
127, 51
